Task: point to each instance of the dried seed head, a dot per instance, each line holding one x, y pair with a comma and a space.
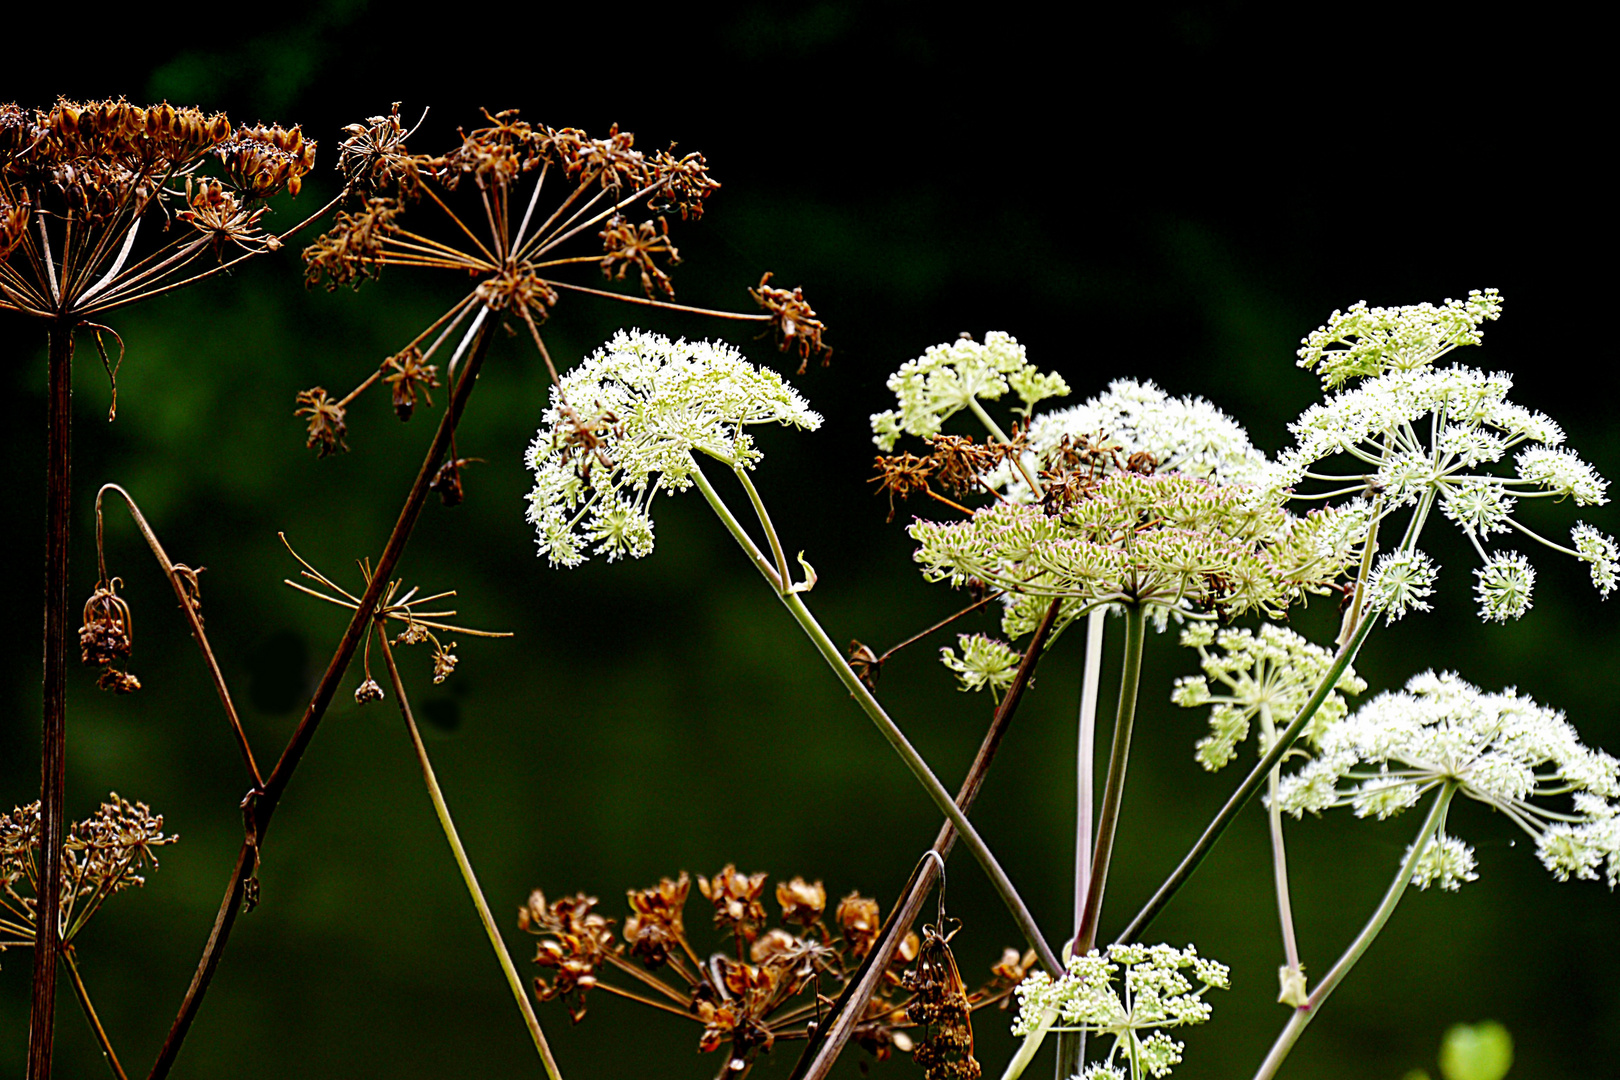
373, 158
119, 682
326, 425
626, 247
793, 322
367, 692
107, 633
802, 903
736, 900
657, 927
409, 376
574, 940
352, 249
447, 481
444, 661
860, 919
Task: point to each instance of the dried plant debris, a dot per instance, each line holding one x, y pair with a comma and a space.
765, 983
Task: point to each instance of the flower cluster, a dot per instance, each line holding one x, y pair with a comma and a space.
1185, 435
1268, 675
1172, 543
1419, 435
772, 984
88, 173
101, 856
985, 661
1500, 749
958, 375
1154, 993
653, 404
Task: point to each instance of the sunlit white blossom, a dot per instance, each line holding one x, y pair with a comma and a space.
626, 423
1366, 341
985, 661
951, 377
1154, 993
1503, 586
1522, 759
1601, 552
1401, 582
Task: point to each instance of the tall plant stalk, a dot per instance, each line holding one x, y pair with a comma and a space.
1071, 1046
53, 744
1305, 1013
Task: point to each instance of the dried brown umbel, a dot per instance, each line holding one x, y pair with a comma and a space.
942, 1010
409, 376
778, 987
106, 637
503, 207
794, 324
78, 180
326, 426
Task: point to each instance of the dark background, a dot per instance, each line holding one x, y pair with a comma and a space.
1169, 192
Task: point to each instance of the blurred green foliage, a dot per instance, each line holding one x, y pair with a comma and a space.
1176, 193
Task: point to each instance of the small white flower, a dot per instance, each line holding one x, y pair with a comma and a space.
1504, 585
1368, 341
1446, 861
1561, 471
946, 378
626, 423
1599, 550
1400, 583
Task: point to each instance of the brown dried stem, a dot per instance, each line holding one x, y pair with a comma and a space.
825, 1046
259, 806
178, 580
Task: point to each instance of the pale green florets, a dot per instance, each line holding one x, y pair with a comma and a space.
1503, 586
1268, 675
646, 405
1501, 749
1185, 435
1401, 582
1167, 542
942, 382
1368, 341
1155, 993
1601, 552
985, 661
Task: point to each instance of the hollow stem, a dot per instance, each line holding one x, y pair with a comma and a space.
1071, 1045
1114, 787
1293, 973
468, 878
90, 1014
1251, 783
1304, 1014
53, 744
888, 728
259, 806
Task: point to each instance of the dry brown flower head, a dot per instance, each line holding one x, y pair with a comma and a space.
736, 900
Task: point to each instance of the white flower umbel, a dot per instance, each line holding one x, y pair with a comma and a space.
1401, 582
626, 423
1419, 436
1186, 435
959, 375
1501, 749
1155, 993
1262, 676
985, 661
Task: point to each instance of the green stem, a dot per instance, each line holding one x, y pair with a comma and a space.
890, 731
90, 1014
765, 523
513, 980
1279, 860
1001, 436
1313, 1004
1251, 783
1114, 787
1071, 1045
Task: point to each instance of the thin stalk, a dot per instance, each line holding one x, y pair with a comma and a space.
1251, 783
90, 1014
1293, 972
442, 809
1001, 437
765, 523
1114, 787
1071, 1046
890, 731
53, 744
1313, 1004
823, 1051
259, 806
193, 619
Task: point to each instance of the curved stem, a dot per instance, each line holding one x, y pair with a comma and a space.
176, 581
442, 810
1251, 783
90, 1014
765, 523
1114, 787
1313, 1004
1071, 1046
890, 731
53, 744
259, 806
1293, 972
